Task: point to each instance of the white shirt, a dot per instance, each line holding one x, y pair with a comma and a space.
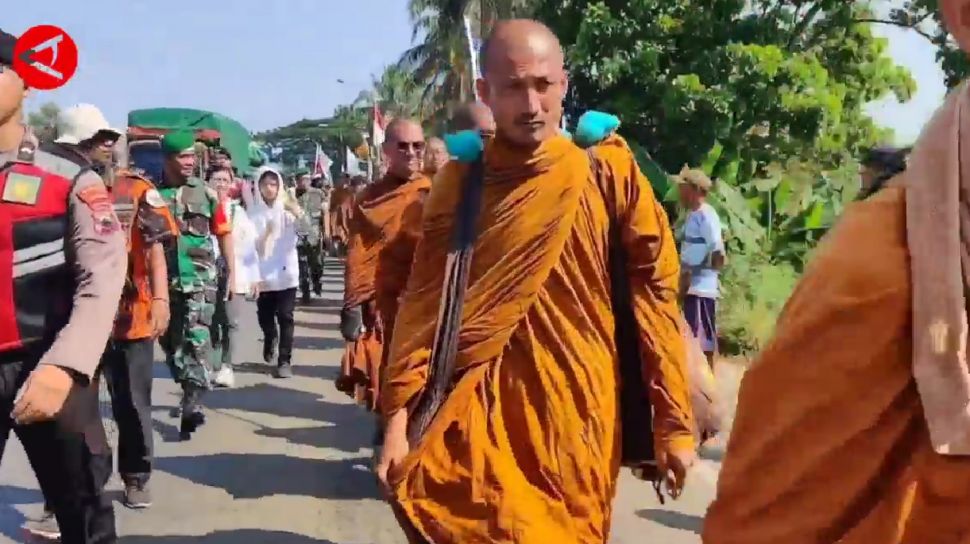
244, 249
702, 237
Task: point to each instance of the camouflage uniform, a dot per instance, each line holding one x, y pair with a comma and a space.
192, 283
312, 200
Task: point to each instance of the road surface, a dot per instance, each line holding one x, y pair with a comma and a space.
287, 462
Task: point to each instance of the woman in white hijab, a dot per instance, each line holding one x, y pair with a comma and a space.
275, 218
247, 278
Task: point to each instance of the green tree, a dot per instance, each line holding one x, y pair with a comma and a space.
345, 128
397, 93
924, 18
767, 79
45, 122
767, 96
440, 59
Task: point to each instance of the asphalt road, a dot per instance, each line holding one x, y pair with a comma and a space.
287, 462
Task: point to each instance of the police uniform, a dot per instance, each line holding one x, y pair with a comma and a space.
312, 201
62, 263
192, 284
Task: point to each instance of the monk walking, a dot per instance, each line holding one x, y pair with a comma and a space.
384, 226
853, 426
341, 202
474, 116
525, 449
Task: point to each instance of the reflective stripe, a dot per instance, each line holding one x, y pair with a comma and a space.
37, 265
38, 250
124, 207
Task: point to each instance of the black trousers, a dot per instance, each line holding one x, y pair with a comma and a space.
128, 366
70, 456
274, 309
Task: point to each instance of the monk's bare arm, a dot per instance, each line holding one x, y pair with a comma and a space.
654, 271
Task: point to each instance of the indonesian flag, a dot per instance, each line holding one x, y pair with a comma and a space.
321, 163
379, 126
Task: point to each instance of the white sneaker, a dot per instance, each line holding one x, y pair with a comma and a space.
224, 378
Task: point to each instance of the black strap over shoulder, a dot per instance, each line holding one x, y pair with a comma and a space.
444, 350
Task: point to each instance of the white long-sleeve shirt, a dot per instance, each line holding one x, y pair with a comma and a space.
279, 264
244, 249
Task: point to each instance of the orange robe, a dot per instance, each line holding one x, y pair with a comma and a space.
830, 443
359, 364
341, 203
384, 227
525, 449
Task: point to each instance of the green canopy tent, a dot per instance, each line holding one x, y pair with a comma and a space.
207, 125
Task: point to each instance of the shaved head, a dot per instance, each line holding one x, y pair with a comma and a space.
435, 156
404, 148
519, 33
474, 116
524, 81
401, 125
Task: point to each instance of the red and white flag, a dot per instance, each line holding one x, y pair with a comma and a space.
321, 163
379, 125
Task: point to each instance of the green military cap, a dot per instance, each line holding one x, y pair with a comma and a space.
178, 142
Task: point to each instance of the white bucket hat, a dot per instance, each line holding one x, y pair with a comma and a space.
83, 122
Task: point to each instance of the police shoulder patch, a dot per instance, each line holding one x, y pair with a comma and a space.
154, 198
96, 197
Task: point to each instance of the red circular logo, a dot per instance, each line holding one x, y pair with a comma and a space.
45, 57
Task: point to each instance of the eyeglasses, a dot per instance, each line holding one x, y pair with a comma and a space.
406, 146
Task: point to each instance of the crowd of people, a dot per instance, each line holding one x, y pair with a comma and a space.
518, 310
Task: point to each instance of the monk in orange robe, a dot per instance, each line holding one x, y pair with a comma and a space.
525, 449
853, 426
473, 116
341, 204
384, 228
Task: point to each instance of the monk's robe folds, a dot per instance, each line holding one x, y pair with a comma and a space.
341, 205
384, 228
830, 444
359, 369
525, 449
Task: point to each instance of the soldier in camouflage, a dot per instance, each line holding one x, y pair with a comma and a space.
192, 273
312, 201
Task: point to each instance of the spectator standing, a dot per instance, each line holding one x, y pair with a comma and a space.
701, 256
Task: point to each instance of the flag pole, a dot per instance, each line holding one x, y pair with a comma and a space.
473, 55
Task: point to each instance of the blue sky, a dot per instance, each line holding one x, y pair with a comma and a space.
264, 62
271, 62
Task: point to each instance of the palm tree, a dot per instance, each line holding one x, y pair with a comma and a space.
397, 94
440, 62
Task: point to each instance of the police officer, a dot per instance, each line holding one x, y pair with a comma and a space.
66, 274
192, 274
311, 200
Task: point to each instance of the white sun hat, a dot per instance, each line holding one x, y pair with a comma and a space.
83, 122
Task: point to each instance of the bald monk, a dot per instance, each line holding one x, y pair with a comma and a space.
525, 449
384, 227
474, 116
341, 203
435, 156
853, 426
